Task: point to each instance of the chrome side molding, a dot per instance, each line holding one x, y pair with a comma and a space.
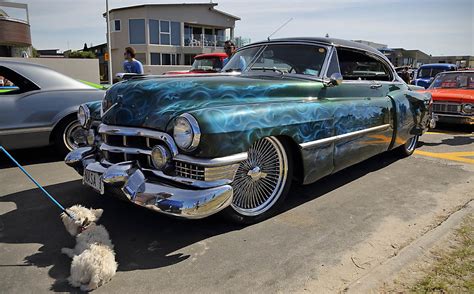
316, 143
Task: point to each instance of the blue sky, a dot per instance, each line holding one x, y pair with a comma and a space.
438, 27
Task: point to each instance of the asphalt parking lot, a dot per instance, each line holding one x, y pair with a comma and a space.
329, 234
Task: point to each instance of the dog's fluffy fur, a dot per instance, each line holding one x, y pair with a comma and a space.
93, 258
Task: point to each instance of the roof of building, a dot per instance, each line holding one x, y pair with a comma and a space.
210, 5
328, 41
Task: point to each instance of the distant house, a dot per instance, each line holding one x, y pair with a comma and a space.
15, 36
168, 36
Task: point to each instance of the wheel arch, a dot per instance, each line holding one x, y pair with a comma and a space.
58, 124
294, 148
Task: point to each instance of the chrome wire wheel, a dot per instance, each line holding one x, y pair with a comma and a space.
260, 180
74, 135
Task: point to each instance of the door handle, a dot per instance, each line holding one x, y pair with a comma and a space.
375, 86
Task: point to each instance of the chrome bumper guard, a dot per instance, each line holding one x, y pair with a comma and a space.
132, 183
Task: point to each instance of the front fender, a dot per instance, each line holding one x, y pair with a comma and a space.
233, 129
412, 114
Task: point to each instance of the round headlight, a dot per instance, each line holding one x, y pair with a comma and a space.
468, 108
83, 115
186, 132
160, 156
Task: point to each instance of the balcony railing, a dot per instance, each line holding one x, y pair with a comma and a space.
204, 40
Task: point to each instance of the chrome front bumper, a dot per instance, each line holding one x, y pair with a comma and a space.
132, 182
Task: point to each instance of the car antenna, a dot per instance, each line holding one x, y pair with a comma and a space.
279, 28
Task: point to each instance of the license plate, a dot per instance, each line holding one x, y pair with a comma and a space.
94, 180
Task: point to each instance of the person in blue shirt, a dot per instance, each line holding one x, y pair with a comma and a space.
230, 49
131, 65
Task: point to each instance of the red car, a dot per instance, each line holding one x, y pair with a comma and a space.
204, 63
453, 96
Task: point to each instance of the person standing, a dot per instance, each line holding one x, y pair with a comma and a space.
405, 75
230, 49
131, 65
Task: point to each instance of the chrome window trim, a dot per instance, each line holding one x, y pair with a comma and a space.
316, 143
266, 44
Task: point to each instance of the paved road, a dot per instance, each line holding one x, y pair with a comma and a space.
329, 234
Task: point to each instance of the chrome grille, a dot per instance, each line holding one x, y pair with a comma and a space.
190, 171
133, 144
447, 107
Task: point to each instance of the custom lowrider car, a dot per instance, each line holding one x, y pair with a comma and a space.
453, 97
40, 108
302, 109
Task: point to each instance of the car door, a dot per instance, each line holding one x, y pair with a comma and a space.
18, 127
362, 118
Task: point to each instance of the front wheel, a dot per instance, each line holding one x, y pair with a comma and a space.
409, 147
261, 182
69, 135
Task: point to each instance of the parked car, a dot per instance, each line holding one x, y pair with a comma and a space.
41, 107
453, 96
302, 109
204, 63
426, 73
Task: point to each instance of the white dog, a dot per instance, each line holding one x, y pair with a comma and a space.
93, 258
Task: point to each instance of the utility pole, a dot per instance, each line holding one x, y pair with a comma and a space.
109, 48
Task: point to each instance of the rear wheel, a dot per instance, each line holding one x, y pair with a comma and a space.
409, 147
69, 135
261, 182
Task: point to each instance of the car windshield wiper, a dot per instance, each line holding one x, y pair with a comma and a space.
268, 68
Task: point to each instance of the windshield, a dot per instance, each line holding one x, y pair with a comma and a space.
429, 72
207, 64
280, 58
458, 80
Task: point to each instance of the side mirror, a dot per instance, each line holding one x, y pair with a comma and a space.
335, 79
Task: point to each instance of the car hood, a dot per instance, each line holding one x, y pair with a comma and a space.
153, 102
453, 95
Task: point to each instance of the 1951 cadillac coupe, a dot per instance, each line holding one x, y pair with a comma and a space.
301, 109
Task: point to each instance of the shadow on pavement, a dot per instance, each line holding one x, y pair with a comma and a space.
143, 239
30, 156
454, 128
455, 141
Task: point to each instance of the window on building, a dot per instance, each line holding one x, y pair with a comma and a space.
155, 59
136, 29
164, 59
117, 25
154, 31
165, 32
175, 33
141, 57
189, 59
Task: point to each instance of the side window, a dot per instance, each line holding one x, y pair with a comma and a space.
333, 65
12, 83
356, 65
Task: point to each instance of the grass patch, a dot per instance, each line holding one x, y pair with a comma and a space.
453, 270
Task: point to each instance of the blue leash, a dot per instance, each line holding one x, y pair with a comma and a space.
36, 183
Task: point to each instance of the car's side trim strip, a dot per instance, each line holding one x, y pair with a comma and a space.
25, 131
316, 143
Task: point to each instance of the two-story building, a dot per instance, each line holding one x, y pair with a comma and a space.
168, 36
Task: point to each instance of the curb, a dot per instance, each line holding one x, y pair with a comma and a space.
372, 280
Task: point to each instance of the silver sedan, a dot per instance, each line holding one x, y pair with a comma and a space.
38, 107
